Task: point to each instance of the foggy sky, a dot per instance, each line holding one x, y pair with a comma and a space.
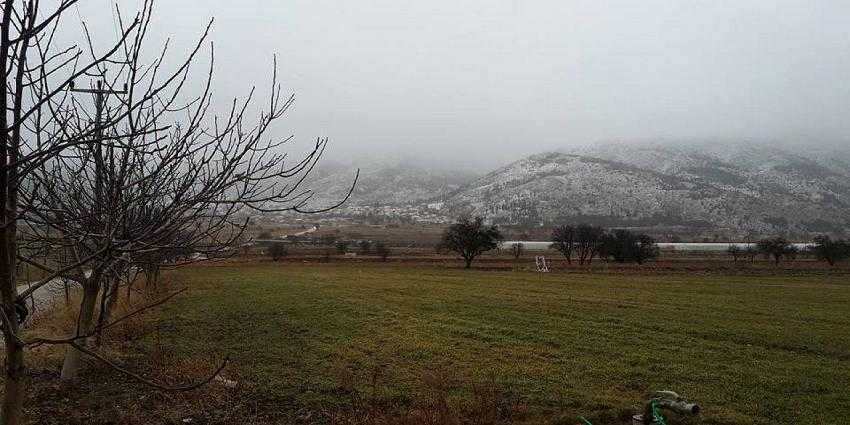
497, 79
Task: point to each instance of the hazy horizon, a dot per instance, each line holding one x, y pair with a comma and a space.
480, 165
485, 82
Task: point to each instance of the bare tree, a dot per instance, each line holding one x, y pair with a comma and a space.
751, 252
624, 246
517, 249
36, 73
735, 252
328, 243
791, 252
277, 250
342, 246
830, 250
470, 237
588, 242
563, 240
141, 193
365, 247
647, 249
382, 250
775, 248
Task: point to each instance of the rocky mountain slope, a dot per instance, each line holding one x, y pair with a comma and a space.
752, 188
385, 182
742, 188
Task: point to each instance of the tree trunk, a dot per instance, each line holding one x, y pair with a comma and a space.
108, 305
151, 272
154, 277
130, 288
14, 372
14, 387
468, 262
73, 357
10, 141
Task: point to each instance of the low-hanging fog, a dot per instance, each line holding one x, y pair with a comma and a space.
485, 81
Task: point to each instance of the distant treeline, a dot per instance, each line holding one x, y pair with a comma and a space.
778, 248
586, 241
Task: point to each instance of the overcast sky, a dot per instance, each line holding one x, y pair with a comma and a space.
502, 78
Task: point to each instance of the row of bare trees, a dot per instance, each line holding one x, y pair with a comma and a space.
279, 249
470, 237
586, 242
583, 240
775, 248
778, 248
128, 174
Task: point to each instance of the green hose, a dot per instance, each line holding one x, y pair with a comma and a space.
657, 418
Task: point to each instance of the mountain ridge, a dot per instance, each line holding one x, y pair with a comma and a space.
751, 188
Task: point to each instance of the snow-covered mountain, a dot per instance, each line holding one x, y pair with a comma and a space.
743, 188
386, 182
753, 188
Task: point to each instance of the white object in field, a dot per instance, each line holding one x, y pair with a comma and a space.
540, 262
228, 383
667, 400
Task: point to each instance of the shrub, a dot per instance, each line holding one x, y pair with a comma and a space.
277, 250
625, 246
735, 252
382, 250
342, 246
365, 247
831, 251
775, 248
517, 249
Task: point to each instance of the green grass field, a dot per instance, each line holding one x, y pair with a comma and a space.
749, 349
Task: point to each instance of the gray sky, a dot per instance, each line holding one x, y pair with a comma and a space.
504, 78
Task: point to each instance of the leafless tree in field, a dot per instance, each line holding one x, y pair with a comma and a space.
564, 240
382, 250
517, 249
588, 241
137, 177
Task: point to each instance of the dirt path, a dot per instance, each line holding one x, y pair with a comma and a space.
44, 297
